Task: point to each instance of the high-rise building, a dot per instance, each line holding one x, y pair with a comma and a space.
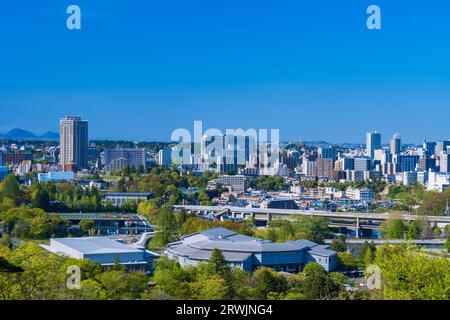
324, 168
405, 163
327, 153
165, 157
441, 146
362, 164
373, 142
396, 144
134, 157
444, 163
429, 147
74, 142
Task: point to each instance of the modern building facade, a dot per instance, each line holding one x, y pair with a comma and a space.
133, 157
396, 144
73, 142
373, 142
165, 157
248, 253
234, 183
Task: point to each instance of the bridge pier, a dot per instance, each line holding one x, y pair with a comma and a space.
357, 228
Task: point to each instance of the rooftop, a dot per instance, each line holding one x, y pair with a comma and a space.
98, 245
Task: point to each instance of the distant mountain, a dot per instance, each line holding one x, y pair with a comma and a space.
19, 133
50, 136
317, 143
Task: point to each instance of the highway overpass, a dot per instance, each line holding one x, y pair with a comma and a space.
355, 221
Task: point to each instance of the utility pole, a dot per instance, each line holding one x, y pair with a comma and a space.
447, 210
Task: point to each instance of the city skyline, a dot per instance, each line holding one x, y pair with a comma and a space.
151, 68
386, 139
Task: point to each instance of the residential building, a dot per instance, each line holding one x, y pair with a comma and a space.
233, 183
16, 158
74, 141
359, 194
324, 168
288, 204
133, 157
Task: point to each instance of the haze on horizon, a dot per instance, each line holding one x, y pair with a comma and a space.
312, 70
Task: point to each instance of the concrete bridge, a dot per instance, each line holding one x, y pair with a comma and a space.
353, 221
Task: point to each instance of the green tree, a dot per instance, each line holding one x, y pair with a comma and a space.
166, 227
338, 244
41, 199
316, 284
86, 226
410, 274
269, 282
10, 188
169, 276
219, 265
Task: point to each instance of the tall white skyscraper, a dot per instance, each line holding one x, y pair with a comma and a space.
373, 142
396, 144
73, 141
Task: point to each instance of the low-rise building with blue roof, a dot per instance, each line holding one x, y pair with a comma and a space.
104, 251
249, 253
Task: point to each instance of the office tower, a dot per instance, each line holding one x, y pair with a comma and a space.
134, 157
347, 163
234, 150
396, 144
405, 163
426, 163
429, 147
165, 157
362, 164
373, 142
74, 142
441, 146
444, 163
327, 153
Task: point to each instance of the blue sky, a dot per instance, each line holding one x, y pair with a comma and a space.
139, 69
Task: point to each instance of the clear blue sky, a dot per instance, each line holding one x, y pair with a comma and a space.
139, 69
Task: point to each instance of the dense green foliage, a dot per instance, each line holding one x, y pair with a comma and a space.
397, 228
214, 280
42, 276
409, 274
315, 229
